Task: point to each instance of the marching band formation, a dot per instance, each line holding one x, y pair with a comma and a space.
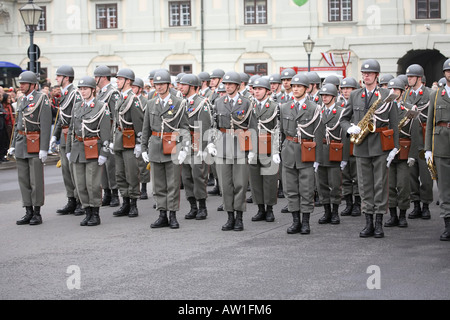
378, 147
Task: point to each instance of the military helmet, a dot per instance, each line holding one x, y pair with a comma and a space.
332, 79
396, 83
275, 78
152, 74
301, 79
28, 77
126, 73
314, 77
328, 89
162, 76
66, 71
349, 82
180, 76
371, 65
221, 88
404, 78
217, 73
385, 78
244, 77
262, 83
232, 77
442, 82
287, 74
102, 71
138, 82
415, 70
204, 76
446, 65
87, 82
191, 80
252, 79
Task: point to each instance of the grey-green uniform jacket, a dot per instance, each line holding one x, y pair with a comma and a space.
69, 98
33, 114
267, 119
437, 137
200, 120
111, 96
412, 129
89, 121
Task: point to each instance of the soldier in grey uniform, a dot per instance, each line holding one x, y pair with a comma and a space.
336, 150
437, 148
233, 144
87, 148
64, 77
350, 188
243, 90
144, 174
165, 124
385, 79
314, 87
421, 184
286, 77
109, 94
275, 87
204, 89
152, 93
195, 170
128, 119
264, 169
301, 153
251, 81
371, 160
29, 145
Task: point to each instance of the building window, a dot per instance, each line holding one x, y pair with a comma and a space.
42, 25
176, 69
179, 13
106, 16
428, 9
255, 68
255, 11
340, 10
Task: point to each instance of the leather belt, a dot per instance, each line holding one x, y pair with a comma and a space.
120, 129
156, 134
85, 139
23, 133
381, 129
444, 124
296, 140
65, 127
331, 141
405, 139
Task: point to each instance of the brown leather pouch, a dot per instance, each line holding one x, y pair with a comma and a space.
90, 148
336, 149
33, 142
308, 151
244, 139
195, 141
352, 145
128, 138
265, 143
405, 146
169, 141
387, 139
65, 131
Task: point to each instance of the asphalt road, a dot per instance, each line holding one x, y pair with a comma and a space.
123, 259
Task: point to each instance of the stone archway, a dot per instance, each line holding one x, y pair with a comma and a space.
430, 60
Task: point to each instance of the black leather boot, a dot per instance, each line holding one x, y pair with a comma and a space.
368, 230
326, 218
238, 224
69, 208
210, 180
285, 209
393, 221
95, 217
335, 214
417, 212
269, 214
348, 205
317, 201
280, 191
446, 235
115, 202
356, 211
261, 214
202, 211
173, 223
220, 208
378, 232
296, 225
106, 201
305, 229
79, 211
162, 220
37, 218
27, 217
124, 210
216, 190
426, 212
143, 195
230, 222
192, 214
249, 199
402, 223
134, 212
85, 221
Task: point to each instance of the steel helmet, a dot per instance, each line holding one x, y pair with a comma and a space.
152, 74
446, 65
162, 76
404, 78
328, 89
66, 71
221, 88
371, 65
180, 76
442, 82
191, 80
301, 79
332, 79
275, 78
244, 77
415, 70
102, 71
138, 82
28, 77
349, 82
126, 73
262, 83
314, 77
87, 82
287, 74
396, 83
253, 79
217, 73
204, 76
232, 77
385, 78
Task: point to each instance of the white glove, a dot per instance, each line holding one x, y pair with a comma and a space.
391, 156
102, 160
276, 158
182, 156
316, 166
251, 156
343, 165
68, 156
11, 151
411, 162
200, 155
43, 155
111, 147
145, 157
137, 150
354, 130
428, 155
53, 143
211, 148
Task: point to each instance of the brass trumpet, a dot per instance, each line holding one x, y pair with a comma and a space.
430, 165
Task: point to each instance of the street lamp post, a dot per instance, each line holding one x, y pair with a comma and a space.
309, 46
31, 13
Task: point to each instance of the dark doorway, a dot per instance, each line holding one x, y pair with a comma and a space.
431, 61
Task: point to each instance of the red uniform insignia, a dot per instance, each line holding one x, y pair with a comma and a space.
304, 107
334, 111
364, 95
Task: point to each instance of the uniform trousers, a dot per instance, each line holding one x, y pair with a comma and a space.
67, 173
195, 178
264, 187
31, 181
233, 181
88, 182
443, 181
166, 179
298, 185
399, 186
144, 174
350, 178
421, 183
127, 174
330, 186
109, 174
